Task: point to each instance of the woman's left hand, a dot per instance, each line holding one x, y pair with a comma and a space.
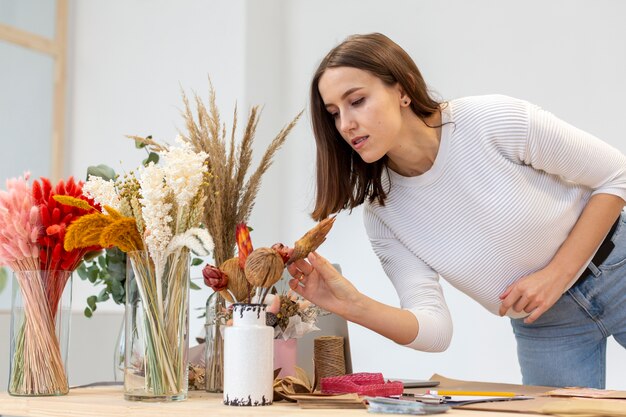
534, 294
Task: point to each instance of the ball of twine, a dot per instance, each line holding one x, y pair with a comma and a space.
328, 357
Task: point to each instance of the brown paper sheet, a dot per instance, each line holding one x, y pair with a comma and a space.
541, 404
587, 393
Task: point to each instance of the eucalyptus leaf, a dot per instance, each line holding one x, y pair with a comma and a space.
4, 277
103, 295
103, 171
196, 262
91, 255
83, 271
139, 144
108, 270
91, 302
193, 285
117, 290
152, 157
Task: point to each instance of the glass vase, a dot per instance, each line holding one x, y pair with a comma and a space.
215, 322
157, 326
119, 353
40, 325
248, 358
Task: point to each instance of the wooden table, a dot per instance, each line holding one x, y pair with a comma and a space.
109, 401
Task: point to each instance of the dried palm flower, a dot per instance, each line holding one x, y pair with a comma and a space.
237, 286
264, 267
311, 239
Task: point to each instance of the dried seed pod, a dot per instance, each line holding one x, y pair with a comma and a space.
237, 282
311, 239
264, 267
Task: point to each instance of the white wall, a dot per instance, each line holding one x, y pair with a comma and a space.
129, 60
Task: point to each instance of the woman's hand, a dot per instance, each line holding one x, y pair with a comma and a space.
319, 282
534, 294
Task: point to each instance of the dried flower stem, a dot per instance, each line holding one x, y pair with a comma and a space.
165, 359
37, 363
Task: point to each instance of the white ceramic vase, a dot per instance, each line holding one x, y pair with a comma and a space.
248, 358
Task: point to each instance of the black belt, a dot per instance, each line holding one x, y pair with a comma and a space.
603, 252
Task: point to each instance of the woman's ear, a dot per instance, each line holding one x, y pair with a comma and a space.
405, 100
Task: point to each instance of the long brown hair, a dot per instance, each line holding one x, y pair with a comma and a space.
344, 180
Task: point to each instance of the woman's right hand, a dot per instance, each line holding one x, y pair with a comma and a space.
320, 283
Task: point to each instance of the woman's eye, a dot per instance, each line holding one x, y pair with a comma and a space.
357, 102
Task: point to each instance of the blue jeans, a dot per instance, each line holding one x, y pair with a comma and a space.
566, 346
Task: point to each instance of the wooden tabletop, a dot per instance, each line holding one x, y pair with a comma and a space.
109, 401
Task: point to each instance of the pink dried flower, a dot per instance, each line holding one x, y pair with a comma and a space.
20, 223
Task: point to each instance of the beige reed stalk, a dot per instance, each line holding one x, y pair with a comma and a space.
165, 359
230, 191
37, 363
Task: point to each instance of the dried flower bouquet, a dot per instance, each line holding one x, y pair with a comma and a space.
155, 217
33, 223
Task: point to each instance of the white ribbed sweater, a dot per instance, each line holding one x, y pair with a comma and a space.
508, 184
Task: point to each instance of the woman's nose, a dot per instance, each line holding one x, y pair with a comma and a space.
347, 124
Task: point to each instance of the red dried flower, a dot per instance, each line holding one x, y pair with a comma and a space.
55, 218
214, 278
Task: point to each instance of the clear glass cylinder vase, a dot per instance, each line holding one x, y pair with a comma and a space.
40, 326
215, 322
157, 326
248, 358
119, 353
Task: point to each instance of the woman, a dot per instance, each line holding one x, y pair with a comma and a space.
511, 205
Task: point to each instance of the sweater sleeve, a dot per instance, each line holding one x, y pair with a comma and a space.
559, 148
417, 286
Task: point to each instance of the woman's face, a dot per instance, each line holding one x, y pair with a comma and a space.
365, 109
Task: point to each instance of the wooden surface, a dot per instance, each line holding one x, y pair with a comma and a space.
109, 401
101, 401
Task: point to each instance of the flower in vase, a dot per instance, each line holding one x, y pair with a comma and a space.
214, 278
184, 171
102, 191
157, 225
156, 207
33, 224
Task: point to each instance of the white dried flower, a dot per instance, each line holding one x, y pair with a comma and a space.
155, 209
196, 239
102, 192
184, 171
